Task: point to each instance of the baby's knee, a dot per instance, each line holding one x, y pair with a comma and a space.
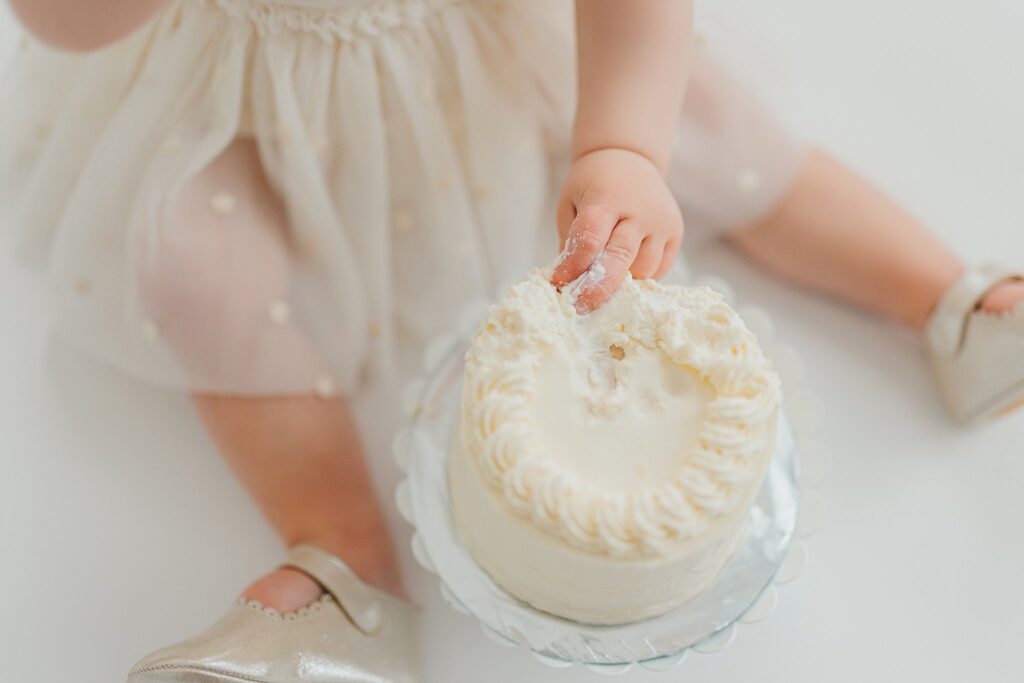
178, 278
215, 273
201, 284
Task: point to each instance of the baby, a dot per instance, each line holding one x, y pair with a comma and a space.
271, 204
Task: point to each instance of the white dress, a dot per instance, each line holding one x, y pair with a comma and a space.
256, 197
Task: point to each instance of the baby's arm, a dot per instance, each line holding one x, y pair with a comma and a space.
633, 63
84, 25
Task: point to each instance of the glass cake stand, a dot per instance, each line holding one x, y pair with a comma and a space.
742, 592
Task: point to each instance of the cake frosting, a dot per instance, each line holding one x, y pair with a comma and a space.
604, 463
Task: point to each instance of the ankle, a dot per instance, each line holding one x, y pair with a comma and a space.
376, 565
924, 296
371, 558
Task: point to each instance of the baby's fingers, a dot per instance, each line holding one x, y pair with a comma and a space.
587, 236
668, 258
648, 259
610, 269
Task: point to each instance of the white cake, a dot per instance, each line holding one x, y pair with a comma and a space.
604, 464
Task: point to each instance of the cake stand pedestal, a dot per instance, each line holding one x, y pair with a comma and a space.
744, 592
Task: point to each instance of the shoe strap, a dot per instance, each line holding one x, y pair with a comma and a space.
362, 603
945, 328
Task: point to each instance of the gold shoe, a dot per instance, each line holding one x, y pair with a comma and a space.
352, 634
977, 357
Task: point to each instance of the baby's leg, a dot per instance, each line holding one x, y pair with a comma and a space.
835, 232
211, 279
301, 459
805, 215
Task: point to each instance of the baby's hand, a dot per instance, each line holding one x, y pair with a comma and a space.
615, 210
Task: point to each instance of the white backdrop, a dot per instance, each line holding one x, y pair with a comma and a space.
120, 530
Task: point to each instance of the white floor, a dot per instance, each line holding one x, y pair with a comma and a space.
121, 530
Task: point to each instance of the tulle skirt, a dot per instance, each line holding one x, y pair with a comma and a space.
250, 197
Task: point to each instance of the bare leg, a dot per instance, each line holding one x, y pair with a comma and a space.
836, 233
210, 279
301, 460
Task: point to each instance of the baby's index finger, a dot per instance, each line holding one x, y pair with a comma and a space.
580, 291
609, 268
587, 236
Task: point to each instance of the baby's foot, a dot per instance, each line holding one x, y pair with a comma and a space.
285, 590
1003, 297
976, 342
245, 640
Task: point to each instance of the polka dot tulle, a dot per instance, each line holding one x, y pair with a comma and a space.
255, 197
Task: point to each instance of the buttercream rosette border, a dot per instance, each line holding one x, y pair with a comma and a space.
694, 328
